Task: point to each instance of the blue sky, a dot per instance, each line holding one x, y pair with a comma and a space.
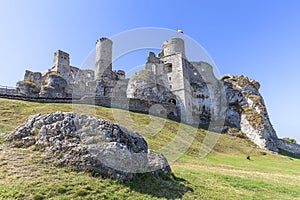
260, 39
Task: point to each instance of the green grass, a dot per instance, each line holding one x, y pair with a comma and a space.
224, 174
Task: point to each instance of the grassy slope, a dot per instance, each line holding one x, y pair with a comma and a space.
223, 174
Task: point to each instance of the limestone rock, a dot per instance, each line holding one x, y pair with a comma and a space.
288, 148
235, 101
251, 114
27, 87
56, 87
143, 85
89, 143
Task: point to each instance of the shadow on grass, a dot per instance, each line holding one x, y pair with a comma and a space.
163, 186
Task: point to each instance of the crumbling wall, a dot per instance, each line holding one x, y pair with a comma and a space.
121, 75
61, 65
31, 84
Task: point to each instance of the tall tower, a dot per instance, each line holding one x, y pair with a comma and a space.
103, 63
175, 74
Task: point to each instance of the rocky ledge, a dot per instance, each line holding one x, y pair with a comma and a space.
89, 143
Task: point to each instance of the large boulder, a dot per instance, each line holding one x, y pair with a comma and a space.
89, 143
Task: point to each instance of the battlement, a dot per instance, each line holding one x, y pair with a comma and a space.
102, 39
61, 53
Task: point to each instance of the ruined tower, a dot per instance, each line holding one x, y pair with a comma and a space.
103, 63
61, 64
175, 70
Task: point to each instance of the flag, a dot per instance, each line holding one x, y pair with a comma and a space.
179, 31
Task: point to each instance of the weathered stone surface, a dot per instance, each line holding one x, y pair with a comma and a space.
235, 101
250, 113
27, 88
143, 85
288, 148
56, 87
89, 143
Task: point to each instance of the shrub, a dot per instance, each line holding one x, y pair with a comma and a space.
29, 83
290, 140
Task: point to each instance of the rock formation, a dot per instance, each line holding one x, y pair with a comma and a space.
247, 113
89, 143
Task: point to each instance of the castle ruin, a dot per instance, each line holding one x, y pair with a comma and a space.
64, 80
188, 89
167, 78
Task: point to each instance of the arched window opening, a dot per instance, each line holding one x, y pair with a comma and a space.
172, 101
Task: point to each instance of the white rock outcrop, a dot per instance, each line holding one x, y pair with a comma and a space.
89, 143
254, 121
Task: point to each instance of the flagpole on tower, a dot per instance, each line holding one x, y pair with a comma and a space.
179, 32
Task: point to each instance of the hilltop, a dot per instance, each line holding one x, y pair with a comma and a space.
224, 174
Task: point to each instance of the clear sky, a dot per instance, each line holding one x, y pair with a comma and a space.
256, 38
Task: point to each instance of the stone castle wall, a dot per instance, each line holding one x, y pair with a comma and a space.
7, 91
136, 105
